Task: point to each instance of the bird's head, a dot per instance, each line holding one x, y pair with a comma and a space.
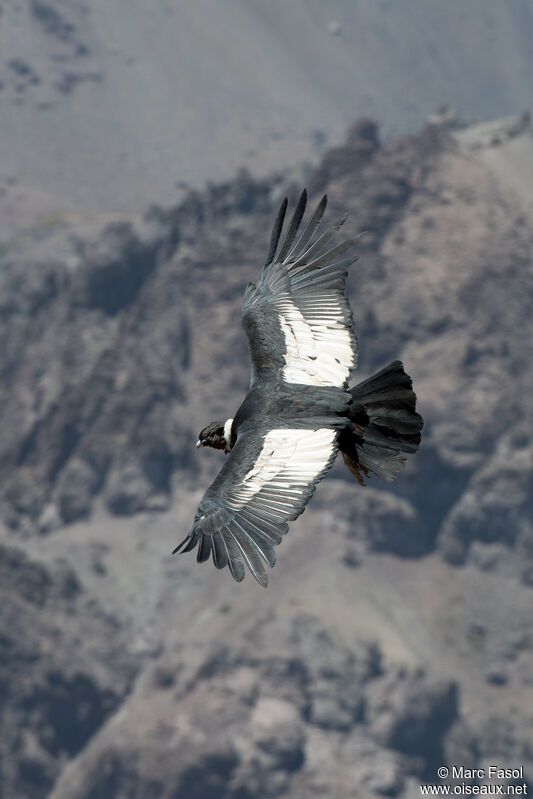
212, 436
217, 435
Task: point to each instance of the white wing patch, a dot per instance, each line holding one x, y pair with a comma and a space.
320, 347
290, 461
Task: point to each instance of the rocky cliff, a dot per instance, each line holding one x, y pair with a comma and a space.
396, 635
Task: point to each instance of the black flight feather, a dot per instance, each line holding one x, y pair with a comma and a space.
321, 242
250, 554
220, 553
310, 228
190, 541
204, 549
293, 227
276, 232
329, 257
235, 563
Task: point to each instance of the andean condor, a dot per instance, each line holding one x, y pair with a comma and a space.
299, 410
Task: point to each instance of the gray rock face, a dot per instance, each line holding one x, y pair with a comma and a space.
495, 510
73, 77
56, 690
75, 490
263, 740
127, 489
410, 715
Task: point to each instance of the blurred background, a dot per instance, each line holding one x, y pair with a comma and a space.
144, 149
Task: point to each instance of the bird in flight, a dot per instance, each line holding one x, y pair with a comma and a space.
300, 410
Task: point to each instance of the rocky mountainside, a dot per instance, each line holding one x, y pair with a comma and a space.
107, 106
396, 635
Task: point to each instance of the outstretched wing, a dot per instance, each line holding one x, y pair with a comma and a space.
265, 482
297, 318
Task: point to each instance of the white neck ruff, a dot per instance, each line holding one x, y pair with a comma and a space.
227, 435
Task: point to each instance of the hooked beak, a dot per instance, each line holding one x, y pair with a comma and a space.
198, 444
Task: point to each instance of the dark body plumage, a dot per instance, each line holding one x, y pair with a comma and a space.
299, 410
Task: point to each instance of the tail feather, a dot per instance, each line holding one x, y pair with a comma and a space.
384, 425
391, 384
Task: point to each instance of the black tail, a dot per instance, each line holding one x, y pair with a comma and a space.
384, 425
